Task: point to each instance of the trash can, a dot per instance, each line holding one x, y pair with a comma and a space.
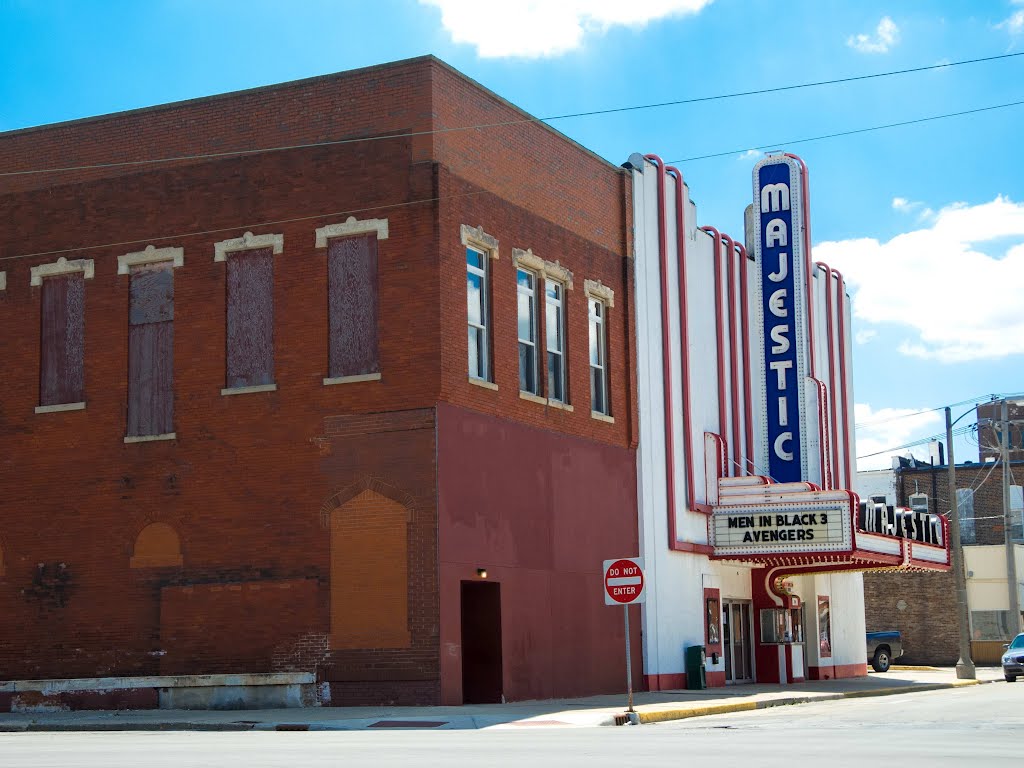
696, 680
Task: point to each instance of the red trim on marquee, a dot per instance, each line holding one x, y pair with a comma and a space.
841, 290
719, 333
833, 369
735, 467
748, 406
675, 543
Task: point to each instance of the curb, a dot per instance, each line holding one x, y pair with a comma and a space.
667, 715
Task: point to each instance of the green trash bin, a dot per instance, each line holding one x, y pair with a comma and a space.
696, 679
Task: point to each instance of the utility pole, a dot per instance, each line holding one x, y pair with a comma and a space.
964, 666
1011, 559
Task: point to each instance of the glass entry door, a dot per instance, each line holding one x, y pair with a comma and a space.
737, 641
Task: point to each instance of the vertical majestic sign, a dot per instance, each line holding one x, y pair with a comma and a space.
778, 207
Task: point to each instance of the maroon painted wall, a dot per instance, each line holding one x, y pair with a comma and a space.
540, 511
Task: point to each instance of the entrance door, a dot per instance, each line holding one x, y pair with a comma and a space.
737, 641
481, 642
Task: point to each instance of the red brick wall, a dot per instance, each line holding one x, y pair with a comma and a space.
246, 482
234, 627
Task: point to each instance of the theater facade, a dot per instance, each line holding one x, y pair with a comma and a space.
753, 541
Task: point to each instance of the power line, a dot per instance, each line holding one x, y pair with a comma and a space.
923, 411
923, 441
591, 113
415, 202
241, 227
777, 144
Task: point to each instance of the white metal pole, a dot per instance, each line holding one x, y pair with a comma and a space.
629, 662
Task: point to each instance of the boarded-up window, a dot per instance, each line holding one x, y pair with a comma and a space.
352, 305
369, 574
151, 350
62, 340
250, 333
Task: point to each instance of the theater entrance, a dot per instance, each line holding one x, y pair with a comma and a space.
738, 641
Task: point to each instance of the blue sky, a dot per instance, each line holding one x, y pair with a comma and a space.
926, 221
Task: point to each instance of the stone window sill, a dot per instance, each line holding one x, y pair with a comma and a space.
329, 382
484, 384
60, 407
602, 417
545, 401
246, 390
151, 438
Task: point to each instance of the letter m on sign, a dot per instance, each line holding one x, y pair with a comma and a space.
774, 197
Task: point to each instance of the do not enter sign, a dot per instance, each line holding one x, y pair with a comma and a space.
624, 581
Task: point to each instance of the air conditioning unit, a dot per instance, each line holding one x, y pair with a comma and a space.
919, 502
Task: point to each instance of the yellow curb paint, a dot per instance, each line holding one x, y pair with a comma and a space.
912, 668
681, 714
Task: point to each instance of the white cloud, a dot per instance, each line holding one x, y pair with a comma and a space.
1014, 24
903, 205
539, 28
750, 154
887, 34
863, 337
955, 302
882, 430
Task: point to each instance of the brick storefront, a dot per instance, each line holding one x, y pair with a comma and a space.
296, 528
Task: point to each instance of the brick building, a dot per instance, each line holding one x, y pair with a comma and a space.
922, 606
245, 427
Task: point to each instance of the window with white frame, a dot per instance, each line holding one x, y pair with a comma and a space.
526, 295
554, 327
598, 312
478, 313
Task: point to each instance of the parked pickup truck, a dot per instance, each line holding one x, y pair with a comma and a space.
883, 647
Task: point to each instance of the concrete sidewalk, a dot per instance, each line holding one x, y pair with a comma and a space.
592, 711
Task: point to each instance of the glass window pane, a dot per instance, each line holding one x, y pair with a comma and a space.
528, 368
527, 323
553, 328
474, 353
553, 290
524, 279
555, 379
596, 356
474, 258
475, 298
597, 400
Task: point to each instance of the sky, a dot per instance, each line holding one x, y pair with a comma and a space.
926, 221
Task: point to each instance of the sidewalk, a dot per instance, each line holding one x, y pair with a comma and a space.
592, 711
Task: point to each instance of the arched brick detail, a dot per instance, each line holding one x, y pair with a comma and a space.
157, 546
369, 573
368, 483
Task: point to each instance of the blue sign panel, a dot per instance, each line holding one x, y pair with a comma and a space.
780, 250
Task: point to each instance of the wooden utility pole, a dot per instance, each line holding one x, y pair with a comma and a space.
964, 667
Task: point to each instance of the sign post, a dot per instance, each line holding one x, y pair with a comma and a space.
624, 585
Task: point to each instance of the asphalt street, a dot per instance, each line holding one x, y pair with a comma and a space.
981, 725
